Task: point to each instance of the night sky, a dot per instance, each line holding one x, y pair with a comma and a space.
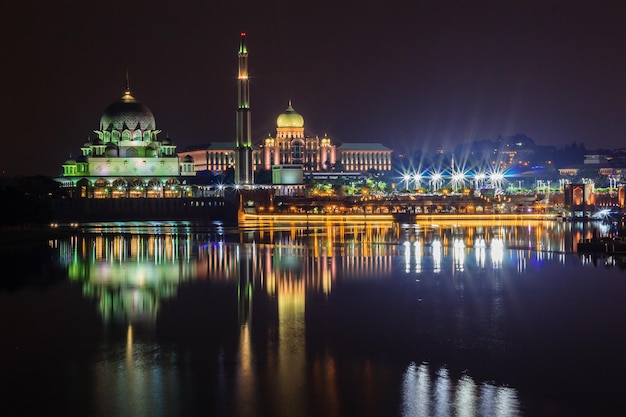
408, 74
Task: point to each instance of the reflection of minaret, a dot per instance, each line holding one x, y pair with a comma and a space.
243, 169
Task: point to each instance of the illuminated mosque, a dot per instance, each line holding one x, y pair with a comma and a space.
128, 159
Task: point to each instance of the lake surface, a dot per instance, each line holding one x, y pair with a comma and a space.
182, 319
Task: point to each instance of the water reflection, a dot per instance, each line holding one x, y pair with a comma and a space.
136, 378
285, 309
425, 394
132, 274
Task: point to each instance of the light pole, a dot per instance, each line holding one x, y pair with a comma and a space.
479, 179
406, 178
458, 178
434, 180
417, 177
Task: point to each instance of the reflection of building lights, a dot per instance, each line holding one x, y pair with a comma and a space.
479, 250
497, 252
459, 254
436, 248
465, 401
442, 393
418, 256
443, 397
407, 256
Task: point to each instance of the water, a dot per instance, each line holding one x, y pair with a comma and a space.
449, 319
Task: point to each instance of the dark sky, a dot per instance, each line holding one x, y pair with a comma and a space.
409, 74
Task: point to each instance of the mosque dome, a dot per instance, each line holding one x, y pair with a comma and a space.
127, 113
290, 118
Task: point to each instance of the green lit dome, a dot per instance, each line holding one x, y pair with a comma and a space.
289, 118
127, 113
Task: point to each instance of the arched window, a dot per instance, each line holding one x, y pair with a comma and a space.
297, 150
132, 152
119, 188
578, 195
154, 188
137, 135
172, 188
101, 188
137, 188
115, 136
126, 135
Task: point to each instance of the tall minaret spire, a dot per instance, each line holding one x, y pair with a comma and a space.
244, 168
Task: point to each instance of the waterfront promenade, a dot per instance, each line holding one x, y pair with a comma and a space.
309, 218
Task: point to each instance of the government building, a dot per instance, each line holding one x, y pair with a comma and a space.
292, 146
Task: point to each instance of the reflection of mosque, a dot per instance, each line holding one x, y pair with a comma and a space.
129, 276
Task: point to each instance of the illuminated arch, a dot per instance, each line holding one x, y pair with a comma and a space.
137, 188
101, 188
154, 188
172, 189
119, 188
578, 196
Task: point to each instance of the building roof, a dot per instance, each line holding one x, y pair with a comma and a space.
363, 146
230, 146
227, 146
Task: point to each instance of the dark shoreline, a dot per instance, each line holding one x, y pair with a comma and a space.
29, 235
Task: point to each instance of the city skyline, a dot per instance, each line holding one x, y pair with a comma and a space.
411, 75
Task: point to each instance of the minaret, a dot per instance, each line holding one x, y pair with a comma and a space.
243, 170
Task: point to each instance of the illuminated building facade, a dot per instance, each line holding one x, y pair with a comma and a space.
215, 157
363, 157
128, 159
291, 146
579, 197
